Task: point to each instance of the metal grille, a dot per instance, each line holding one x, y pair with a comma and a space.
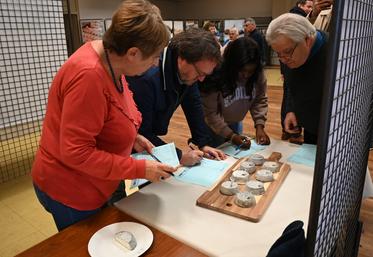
33, 47
345, 133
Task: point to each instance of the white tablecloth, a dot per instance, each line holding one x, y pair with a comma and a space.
170, 206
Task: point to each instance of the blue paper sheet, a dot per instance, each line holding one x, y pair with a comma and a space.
230, 149
205, 174
306, 155
165, 153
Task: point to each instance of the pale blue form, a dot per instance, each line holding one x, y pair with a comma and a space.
230, 149
204, 174
306, 155
165, 153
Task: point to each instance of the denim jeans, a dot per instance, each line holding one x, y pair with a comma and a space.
63, 215
237, 127
217, 140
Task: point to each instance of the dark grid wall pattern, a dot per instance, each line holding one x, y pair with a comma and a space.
344, 149
33, 47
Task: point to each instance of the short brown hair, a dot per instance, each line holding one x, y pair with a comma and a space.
250, 20
136, 23
195, 45
208, 25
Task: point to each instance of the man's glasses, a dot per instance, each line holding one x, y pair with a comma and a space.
199, 72
287, 54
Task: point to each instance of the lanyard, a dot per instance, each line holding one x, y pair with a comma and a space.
120, 87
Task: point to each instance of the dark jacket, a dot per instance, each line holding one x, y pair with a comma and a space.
298, 10
157, 102
305, 85
259, 39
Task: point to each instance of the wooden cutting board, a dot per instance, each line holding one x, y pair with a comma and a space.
214, 200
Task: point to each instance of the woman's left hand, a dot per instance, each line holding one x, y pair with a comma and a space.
141, 144
261, 136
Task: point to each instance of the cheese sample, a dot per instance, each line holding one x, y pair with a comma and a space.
229, 188
272, 166
125, 239
240, 176
257, 159
248, 166
264, 175
245, 199
255, 187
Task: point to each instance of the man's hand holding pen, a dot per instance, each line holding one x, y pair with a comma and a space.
207, 151
213, 153
192, 157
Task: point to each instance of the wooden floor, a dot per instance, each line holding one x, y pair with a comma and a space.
179, 133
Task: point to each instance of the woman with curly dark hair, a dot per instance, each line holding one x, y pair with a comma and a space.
236, 87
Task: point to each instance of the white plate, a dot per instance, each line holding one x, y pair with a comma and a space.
102, 243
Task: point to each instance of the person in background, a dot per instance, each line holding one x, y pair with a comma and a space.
251, 31
211, 26
302, 7
230, 92
226, 36
318, 6
233, 35
188, 59
302, 49
91, 122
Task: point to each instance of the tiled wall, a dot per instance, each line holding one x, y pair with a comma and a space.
33, 47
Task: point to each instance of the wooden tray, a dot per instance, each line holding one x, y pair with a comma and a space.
213, 199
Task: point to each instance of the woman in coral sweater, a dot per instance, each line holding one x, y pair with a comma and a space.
91, 122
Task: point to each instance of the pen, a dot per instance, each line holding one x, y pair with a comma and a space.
155, 157
235, 154
158, 160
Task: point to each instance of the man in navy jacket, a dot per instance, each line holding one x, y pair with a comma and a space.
189, 58
251, 31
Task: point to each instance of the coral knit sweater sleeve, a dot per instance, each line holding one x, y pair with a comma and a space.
88, 135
